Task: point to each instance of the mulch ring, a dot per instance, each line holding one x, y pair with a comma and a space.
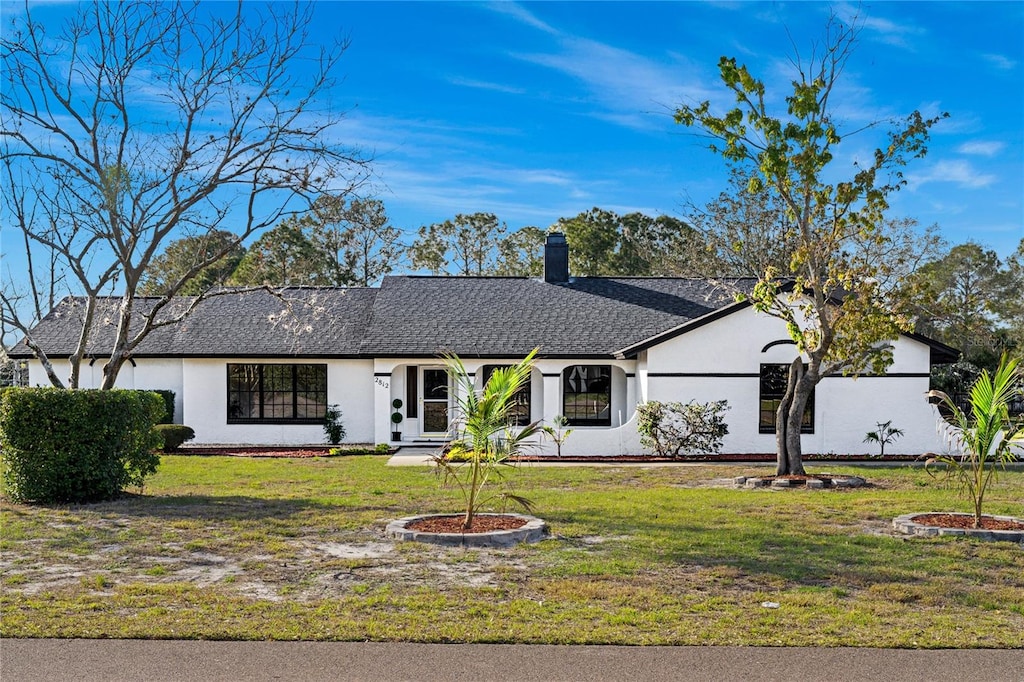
481, 524
967, 521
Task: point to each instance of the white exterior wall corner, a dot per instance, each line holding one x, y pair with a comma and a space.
721, 361
146, 373
205, 388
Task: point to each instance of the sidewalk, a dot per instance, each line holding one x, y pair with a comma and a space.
36, 660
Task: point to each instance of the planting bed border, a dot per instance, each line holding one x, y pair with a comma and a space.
908, 526
812, 482
534, 530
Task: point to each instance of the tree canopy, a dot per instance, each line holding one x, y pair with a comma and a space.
832, 294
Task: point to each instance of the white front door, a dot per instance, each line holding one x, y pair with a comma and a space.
434, 399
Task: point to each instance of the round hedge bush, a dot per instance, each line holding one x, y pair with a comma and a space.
64, 445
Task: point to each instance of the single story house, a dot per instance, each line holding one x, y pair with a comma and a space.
258, 368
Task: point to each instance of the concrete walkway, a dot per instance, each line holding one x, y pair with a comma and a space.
36, 660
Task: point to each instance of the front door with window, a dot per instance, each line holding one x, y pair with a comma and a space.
434, 415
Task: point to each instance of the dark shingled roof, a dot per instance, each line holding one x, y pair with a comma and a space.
300, 321
415, 316
498, 316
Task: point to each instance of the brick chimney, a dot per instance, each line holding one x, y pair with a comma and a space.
556, 259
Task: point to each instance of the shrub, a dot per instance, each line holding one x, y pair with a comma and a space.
458, 453
333, 428
168, 398
674, 429
77, 446
173, 435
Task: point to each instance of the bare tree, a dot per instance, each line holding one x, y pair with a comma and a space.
138, 123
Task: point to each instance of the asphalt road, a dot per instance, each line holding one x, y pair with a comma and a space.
31, 660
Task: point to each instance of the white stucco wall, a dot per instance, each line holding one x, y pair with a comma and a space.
147, 373
722, 360
205, 397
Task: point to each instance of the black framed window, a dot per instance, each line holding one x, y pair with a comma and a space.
587, 395
276, 394
521, 398
773, 388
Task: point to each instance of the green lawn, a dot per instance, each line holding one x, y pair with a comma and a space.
228, 548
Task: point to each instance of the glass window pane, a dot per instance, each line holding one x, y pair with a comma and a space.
276, 392
773, 383
435, 384
587, 394
435, 417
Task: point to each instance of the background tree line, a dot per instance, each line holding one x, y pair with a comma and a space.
964, 295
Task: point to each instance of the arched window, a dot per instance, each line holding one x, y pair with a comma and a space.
587, 395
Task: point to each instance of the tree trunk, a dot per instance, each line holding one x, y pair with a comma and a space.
788, 419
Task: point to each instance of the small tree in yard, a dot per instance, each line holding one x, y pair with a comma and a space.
675, 429
839, 295
986, 435
483, 428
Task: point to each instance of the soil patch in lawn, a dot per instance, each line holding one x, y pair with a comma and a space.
453, 524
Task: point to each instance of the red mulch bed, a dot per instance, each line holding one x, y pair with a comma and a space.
966, 521
257, 451
453, 524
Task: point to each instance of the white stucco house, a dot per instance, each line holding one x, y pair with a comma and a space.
253, 368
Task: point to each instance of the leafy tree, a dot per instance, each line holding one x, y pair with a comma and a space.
358, 237
743, 233
466, 245
286, 256
961, 295
655, 246
182, 255
521, 254
1011, 307
839, 237
593, 237
138, 121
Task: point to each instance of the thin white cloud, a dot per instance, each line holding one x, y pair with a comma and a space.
624, 83
981, 148
522, 15
486, 85
879, 28
959, 172
999, 61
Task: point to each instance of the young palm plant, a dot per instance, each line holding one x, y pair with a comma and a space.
886, 433
986, 435
483, 427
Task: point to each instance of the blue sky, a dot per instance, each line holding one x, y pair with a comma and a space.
534, 111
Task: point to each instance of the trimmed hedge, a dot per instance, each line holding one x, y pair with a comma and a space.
168, 397
173, 435
64, 445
